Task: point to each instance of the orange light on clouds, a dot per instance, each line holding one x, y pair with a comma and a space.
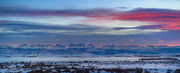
132, 40
160, 41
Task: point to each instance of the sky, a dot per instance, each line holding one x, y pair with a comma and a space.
141, 22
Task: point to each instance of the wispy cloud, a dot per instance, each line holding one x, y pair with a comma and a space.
75, 29
67, 12
166, 19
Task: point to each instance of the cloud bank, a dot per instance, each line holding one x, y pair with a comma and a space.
163, 18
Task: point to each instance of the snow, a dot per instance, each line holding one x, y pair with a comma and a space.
98, 62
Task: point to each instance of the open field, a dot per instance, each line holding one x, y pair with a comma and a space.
92, 64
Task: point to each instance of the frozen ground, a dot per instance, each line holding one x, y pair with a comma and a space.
159, 64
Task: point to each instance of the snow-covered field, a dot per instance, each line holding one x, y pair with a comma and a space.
160, 64
67, 59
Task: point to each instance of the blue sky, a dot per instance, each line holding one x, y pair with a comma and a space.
63, 4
